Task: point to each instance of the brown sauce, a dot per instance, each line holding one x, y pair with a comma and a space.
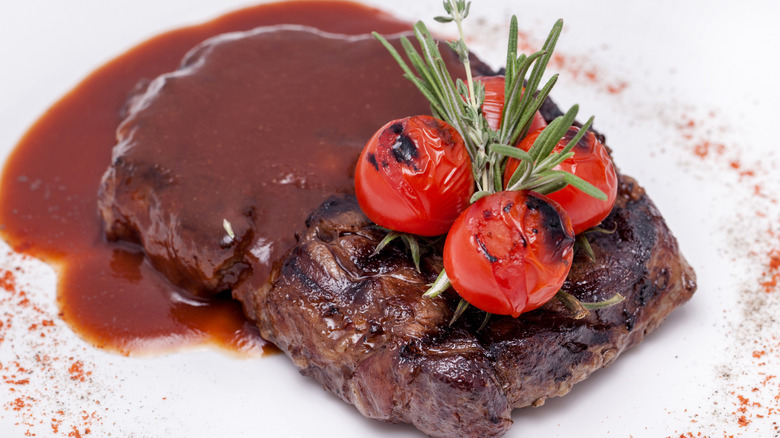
109, 293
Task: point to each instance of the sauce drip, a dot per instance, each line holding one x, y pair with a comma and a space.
108, 292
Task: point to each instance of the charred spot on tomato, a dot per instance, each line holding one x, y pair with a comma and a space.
372, 160
490, 257
496, 264
552, 222
404, 150
410, 181
551, 219
533, 203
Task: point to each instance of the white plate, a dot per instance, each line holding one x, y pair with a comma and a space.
710, 62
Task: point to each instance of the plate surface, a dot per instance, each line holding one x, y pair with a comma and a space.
685, 92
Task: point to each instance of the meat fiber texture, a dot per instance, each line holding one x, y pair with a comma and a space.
358, 324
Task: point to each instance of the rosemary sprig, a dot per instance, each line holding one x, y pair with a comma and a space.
459, 103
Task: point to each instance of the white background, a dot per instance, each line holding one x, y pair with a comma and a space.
708, 60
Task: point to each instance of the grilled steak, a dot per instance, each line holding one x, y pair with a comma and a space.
354, 321
359, 325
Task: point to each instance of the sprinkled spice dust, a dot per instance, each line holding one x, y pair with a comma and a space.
575, 69
707, 146
772, 274
704, 144
746, 398
40, 364
580, 69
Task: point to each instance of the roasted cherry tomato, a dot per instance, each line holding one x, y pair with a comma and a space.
414, 176
590, 162
493, 106
509, 252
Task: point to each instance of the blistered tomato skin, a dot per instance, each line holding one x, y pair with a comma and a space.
414, 176
590, 162
509, 252
493, 106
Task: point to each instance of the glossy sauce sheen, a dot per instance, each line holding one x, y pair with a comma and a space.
109, 292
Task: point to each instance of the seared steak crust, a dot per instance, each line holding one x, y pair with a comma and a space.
358, 323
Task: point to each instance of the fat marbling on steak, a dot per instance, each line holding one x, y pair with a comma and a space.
359, 325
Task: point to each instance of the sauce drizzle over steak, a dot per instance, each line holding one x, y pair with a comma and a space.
255, 127
49, 189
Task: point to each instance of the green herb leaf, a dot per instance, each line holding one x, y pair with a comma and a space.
414, 248
441, 284
573, 304
478, 195
389, 237
616, 299
459, 311
511, 151
586, 187
584, 244
485, 321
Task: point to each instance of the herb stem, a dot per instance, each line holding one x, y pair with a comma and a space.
478, 139
466, 62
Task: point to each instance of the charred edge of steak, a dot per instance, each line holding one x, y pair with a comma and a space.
359, 325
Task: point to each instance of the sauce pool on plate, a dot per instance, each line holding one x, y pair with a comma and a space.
109, 292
